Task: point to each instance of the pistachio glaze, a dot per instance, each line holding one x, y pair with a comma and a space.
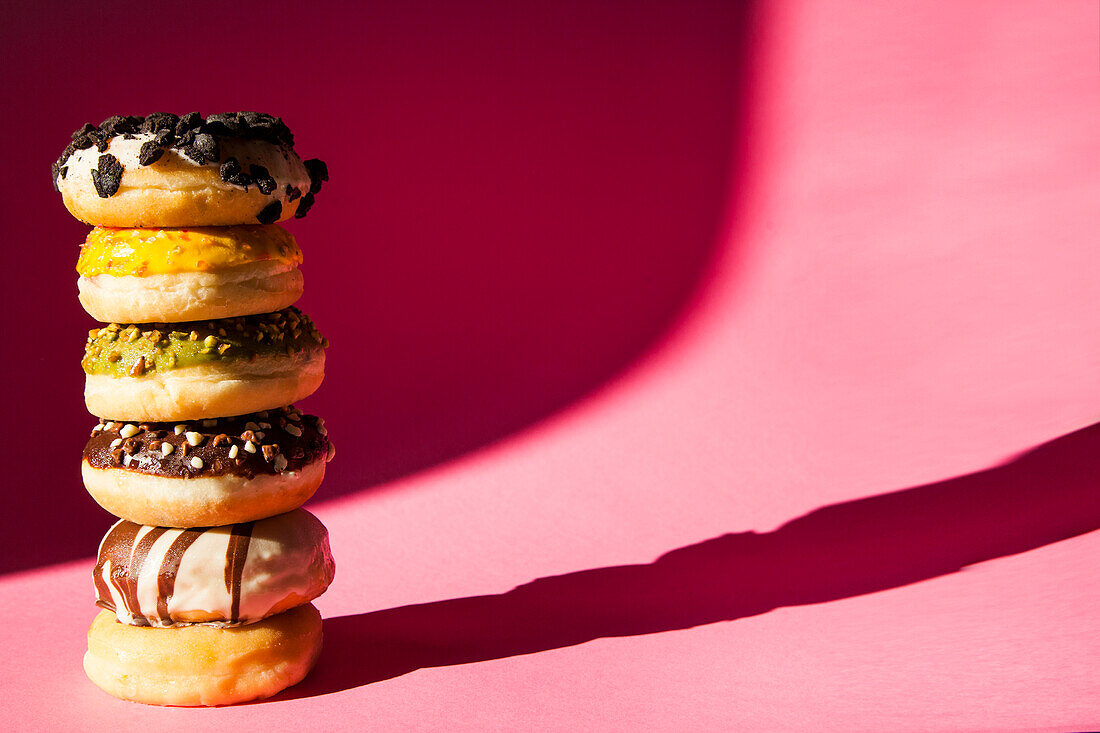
267, 442
137, 350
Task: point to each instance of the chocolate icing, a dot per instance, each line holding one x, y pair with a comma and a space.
128, 559
283, 440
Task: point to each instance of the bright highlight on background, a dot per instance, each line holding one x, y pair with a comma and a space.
762, 293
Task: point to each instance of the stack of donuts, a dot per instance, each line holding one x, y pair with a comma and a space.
207, 577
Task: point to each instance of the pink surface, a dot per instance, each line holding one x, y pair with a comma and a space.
849, 490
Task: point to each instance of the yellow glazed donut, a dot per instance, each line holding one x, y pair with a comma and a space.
202, 665
209, 472
169, 171
202, 369
171, 275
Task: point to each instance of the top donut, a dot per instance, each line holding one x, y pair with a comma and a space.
169, 171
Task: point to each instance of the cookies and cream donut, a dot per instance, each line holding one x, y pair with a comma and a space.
220, 576
171, 275
202, 369
169, 171
200, 665
207, 472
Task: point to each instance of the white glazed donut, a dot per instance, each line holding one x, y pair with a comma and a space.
167, 171
223, 576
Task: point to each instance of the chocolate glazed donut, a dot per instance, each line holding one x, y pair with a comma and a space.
207, 473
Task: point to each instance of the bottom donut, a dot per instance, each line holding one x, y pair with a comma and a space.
202, 665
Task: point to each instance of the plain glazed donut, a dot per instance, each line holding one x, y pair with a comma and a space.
203, 369
200, 665
172, 275
207, 472
169, 171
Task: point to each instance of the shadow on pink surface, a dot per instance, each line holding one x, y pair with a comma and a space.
1047, 494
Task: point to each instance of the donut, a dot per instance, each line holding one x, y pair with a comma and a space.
169, 171
220, 576
171, 275
207, 473
201, 665
202, 369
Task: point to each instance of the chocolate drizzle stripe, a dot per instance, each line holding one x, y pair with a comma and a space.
169, 567
116, 551
137, 562
235, 554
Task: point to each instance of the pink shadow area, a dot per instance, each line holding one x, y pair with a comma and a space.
838, 551
523, 199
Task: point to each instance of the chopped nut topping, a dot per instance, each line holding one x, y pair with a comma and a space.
233, 451
128, 430
180, 429
250, 446
193, 438
280, 462
196, 462
294, 430
166, 449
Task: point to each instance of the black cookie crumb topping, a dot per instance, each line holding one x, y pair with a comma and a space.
231, 173
197, 138
263, 179
150, 153
108, 177
304, 206
317, 171
271, 213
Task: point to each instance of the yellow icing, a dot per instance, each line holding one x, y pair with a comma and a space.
111, 251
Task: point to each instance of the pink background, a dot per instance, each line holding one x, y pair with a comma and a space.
694, 366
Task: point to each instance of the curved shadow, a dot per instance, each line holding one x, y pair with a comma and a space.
524, 200
843, 550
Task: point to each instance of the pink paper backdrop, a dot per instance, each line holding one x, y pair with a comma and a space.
698, 368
